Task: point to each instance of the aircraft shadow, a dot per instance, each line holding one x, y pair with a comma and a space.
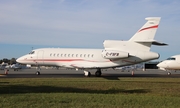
20, 89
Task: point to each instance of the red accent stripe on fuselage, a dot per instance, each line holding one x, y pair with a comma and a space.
156, 26
62, 60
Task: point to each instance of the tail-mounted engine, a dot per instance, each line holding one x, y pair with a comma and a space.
113, 54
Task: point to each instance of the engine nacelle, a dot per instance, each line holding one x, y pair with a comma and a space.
113, 54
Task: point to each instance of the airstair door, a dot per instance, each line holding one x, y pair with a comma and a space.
40, 57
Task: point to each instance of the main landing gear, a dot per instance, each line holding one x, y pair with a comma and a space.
169, 73
87, 73
97, 73
38, 71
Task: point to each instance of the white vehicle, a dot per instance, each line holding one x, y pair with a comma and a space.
116, 53
170, 64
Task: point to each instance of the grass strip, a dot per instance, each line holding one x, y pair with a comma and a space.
89, 92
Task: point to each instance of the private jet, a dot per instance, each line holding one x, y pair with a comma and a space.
170, 64
116, 53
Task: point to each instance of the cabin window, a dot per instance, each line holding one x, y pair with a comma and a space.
64, 55
72, 55
32, 52
84, 55
92, 55
61, 55
171, 58
58, 55
76, 55
54, 54
50, 54
88, 55
81, 55
68, 55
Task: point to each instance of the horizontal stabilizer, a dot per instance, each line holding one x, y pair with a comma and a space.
81, 65
154, 42
158, 43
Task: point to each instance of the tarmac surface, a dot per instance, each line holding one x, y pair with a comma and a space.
71, 73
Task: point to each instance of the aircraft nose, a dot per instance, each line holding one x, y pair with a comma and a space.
161, 65
19, 60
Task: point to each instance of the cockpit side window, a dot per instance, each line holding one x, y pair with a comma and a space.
171, 58
32, 52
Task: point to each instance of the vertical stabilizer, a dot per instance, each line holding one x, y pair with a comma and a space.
141, 41
147, 31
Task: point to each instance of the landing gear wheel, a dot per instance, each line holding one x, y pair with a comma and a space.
37, 73
169, 73
98, 73
87, 74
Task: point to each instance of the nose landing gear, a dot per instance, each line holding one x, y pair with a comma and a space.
38, 71
169, 73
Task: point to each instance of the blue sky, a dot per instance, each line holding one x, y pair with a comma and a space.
83, 23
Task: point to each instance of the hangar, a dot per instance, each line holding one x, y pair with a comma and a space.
151, 65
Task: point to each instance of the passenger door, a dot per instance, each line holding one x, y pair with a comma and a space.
40, 57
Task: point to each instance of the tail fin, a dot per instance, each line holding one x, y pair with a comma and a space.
147, 31
142, 40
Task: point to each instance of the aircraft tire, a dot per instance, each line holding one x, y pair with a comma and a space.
169, 73
98, 73
87, 74
37, 73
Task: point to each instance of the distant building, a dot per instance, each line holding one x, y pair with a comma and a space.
151, 65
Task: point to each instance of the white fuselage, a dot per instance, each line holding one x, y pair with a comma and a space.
116, 53
81, 58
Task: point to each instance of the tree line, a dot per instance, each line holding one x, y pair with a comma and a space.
9, 61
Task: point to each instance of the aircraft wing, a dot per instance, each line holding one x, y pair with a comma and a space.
82, 65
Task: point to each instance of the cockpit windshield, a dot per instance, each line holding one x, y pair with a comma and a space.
171, 58
32, 52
